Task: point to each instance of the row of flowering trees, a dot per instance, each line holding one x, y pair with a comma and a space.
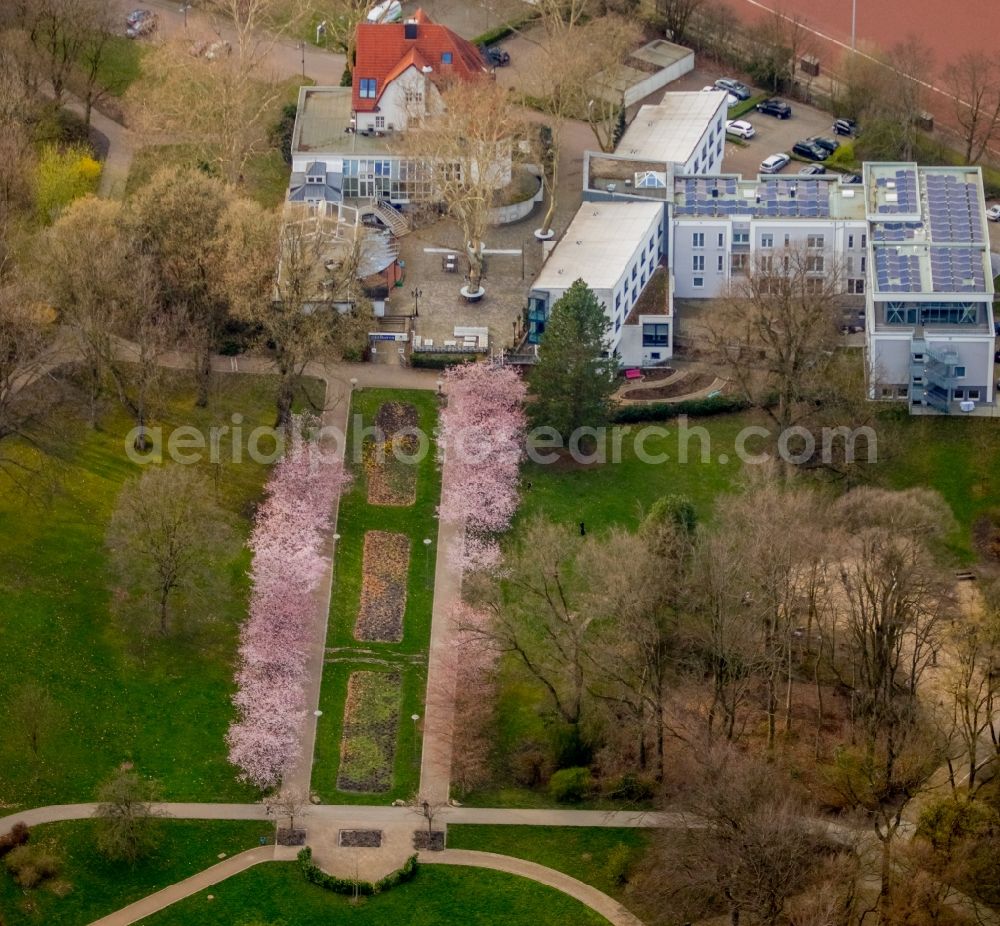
288, 564
482, 435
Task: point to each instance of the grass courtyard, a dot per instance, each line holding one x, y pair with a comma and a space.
89, 886
406, 658
117, 692
276, 894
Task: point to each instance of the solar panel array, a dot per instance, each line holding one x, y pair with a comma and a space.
895, 231
904, 185
773, 198
897, 272
957, 270
953, 209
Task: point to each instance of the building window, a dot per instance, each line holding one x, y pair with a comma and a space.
446, 57
698, 282
959, 372
698, 262
856, 287
722, 264
618, 325
815, 241
902, 392
722, 239
767, 241
974, 394
850, 241
741, 237
849, 265
766, 264
368, 85
739, 262
887, 392
618, 300
633, 271
654, 355
655, 335
864, 263
698, 240
959, 393
864, 240
380, 122
788, 240
413, 96
815, 264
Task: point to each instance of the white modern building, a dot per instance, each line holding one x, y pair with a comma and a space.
685, 130
615, 248
929, 313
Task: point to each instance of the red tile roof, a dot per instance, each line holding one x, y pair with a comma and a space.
384, 52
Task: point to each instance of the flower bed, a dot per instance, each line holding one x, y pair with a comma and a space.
383, 587
371, 719
392, 481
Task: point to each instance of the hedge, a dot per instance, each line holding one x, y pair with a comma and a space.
497, 33
664, 411
315, 875
439, 361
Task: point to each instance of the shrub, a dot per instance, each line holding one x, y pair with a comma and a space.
315, 875
631, 787
17, 836
528, 765
31, 865
664, 411
281, 131
844, 158
571, 785
439, 361
618, 864
63, 174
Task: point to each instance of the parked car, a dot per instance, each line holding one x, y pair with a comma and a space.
993, 213
495, 57
137, 16
812, 170
773, 107
851, 178
845, 127
831, 144
740, 128
731, 98
143, 25
810, 151
774, 163
737, 88
388, 11
211, 50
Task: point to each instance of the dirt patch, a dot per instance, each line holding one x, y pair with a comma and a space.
383, 587
371, 720
392, 481
360, 839
692, 382
432, 841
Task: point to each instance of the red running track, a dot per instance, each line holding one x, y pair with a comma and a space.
949, 28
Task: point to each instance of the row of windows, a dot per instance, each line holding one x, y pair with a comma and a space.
901, 392
698, 262
961, 314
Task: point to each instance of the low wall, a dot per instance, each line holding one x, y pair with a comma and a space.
659, 80
506, 215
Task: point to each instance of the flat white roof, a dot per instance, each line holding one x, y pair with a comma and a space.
672, 129
599, 245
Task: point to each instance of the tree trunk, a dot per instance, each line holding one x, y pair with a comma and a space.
202, 375
286, 395
164, 595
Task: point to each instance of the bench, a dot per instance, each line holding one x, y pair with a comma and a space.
633, 373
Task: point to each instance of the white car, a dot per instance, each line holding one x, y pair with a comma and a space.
731, 98
993, 213
774, 163
740, 128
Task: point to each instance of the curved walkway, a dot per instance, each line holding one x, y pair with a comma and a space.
601, 903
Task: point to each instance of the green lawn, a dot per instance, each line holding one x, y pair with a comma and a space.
119, 692
584, 853
120, 65
276, 894
417, 522
98, 887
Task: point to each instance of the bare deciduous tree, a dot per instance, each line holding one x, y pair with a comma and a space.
676, 16
127, 828
466, 152
166, 533
974, 83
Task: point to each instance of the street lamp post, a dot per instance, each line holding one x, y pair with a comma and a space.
427, 560
416, 293
184, 9
302, 49
416, 719
854, 23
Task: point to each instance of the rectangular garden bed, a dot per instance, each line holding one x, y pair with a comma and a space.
371, 720
385, 566
392, 481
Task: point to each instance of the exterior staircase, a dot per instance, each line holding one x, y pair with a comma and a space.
391, 217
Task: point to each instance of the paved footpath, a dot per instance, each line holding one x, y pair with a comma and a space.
608, 907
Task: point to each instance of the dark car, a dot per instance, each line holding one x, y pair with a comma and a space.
738, 89
812, 170
774, 107
852, 178
810, 150
830, 144
495, 57
845, 127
